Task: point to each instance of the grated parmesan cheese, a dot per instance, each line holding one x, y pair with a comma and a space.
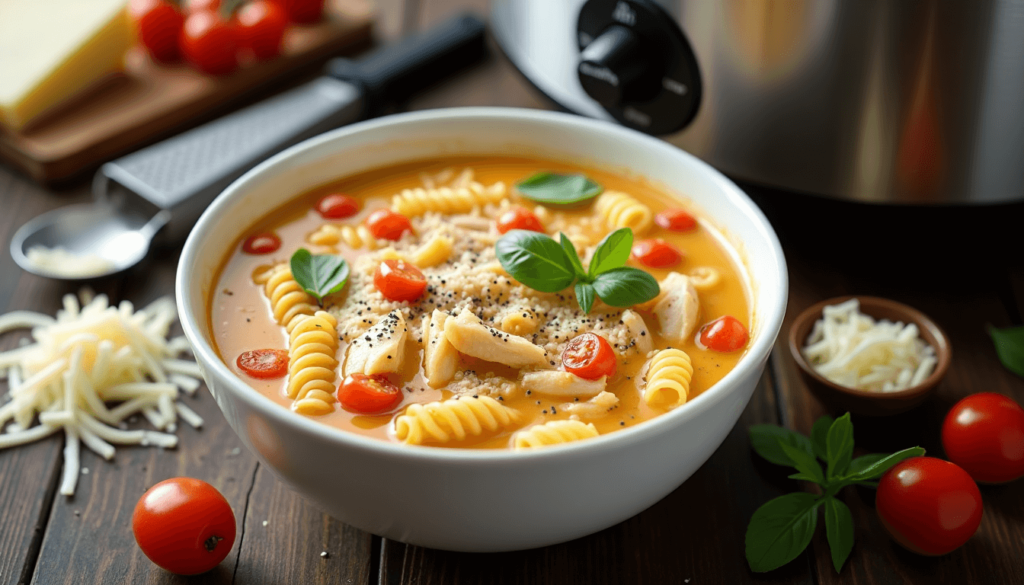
91, 355
852, 349
62, 262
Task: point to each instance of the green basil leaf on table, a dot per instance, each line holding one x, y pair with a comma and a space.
1009, 347
625, 286
319, 274
570, 253
558, 189
780, 530
839, 446
873, 466
611, 252
839, 531
585, 296
535, 260
804, 462
819, 436
766, 439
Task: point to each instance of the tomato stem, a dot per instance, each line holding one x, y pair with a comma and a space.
212, 542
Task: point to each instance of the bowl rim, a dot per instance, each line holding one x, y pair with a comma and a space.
769, 317
943, 351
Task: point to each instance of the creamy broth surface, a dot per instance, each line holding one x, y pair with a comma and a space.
241, 318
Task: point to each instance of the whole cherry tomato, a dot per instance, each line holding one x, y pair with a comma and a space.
928, 505
264, 243
264, 363
159, 25
984, 434
209, 43
398, 280
369, 394
519, 218
387, 225
656, 253
261, 25
724, 334
589, 356
303, 11
675, 220
337, 206
184, 525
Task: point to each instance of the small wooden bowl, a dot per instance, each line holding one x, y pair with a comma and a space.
866, 402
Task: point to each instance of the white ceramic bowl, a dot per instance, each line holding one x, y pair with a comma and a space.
471, 500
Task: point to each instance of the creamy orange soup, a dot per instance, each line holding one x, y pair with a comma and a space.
468, 277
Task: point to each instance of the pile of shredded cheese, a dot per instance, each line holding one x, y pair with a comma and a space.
63, 262
853, 350
93, 354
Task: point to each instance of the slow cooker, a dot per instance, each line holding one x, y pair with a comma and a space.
910, 102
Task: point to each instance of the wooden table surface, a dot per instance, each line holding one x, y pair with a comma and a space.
961, 266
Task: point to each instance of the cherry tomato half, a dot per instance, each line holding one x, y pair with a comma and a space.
398, 280
184, 525
264, 243
589, 356
387, 225
209, 43
519, 218
159, 25
264, 363
337, 206
303, 11
656, 253
369, 394
724, 334
984, 434
928, 505
261, 25
675, 220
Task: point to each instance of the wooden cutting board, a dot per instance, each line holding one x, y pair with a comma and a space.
152, 101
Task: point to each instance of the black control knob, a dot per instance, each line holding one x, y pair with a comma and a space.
615, 68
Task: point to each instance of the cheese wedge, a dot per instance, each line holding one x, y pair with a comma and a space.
51, 50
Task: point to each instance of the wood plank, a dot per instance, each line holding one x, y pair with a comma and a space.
693, 533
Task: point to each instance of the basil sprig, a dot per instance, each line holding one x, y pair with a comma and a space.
555, 189
782, 528
1009, 347
319, 274
543, 264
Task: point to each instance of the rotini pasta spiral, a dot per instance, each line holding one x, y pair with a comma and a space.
287, 299
704, 277
434, 252
446, 200
621, 211
453, 420
312, 347
553, 433
668, 378
354, 237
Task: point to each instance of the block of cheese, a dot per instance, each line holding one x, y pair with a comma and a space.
51, 50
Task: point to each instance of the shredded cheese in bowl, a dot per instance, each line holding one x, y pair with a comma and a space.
851, 349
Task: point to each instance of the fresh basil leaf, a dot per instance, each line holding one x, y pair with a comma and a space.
570, 253
556, 189
839, 530
319, 274
819, 436
585, 296
611, 252
839, 446
625, 286
804, 462
1009, 347
535, 260
873, 466
766, 441
780, 530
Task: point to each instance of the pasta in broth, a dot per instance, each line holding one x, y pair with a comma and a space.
475, 357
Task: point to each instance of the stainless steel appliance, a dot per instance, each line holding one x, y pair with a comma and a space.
907, 102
